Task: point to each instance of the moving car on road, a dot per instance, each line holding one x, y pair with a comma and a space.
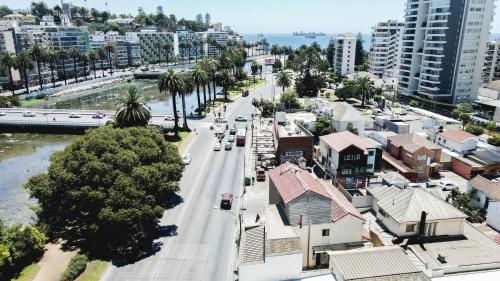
232, 131
231, 138
29, 114
241, 118
228, 146
446, 185
261, 174
169, 118
186, 158
226, 201
97, 115
74, 115
217, 146
241, 136
3, 113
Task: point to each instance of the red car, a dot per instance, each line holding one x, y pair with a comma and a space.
226, 201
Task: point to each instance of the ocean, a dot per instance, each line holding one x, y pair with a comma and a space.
297, 41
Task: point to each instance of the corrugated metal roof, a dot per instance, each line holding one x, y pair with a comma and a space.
491, 188
407, 205
373, 262
253, 245
291, 182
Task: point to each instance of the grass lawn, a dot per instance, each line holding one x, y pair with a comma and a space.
95, 269
30, 102
176, 139
247, 85
28, 273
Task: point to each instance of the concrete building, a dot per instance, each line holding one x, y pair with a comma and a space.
152, 44
491, 71
134, 54
345, 54
381, 136
196, 41
7, 45
219, 37
487, 189
458, 141
385, 51
444, 43
350, 159
294, 143
483, 160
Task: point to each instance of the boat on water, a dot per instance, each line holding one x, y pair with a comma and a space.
309, 34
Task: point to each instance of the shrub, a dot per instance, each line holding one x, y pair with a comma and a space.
494, 141
474, 129
76, 266
414, 103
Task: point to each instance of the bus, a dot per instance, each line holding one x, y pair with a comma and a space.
241, 136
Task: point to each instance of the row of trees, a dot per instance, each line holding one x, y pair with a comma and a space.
37, 56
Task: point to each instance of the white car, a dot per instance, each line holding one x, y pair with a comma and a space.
3, 113
74, 115
231, 138
217, 146
228, 146
412, 185
241, 118
169, 118
186, 159
446, 185
29, 114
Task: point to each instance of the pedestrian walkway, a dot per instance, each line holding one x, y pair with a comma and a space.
54, 262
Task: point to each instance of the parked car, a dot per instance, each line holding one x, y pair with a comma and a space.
3, 113
74, 115
217, 146
228, 146
241, 118
231, 138
226, 201
431, 184
29, 114
98, 115
220, 120
446, 185
169, 118
412, 185
186, 158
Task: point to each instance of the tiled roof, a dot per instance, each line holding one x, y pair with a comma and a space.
412, 142
342, 140
407, 205
457, 136
373, 262
491, 188
291, 182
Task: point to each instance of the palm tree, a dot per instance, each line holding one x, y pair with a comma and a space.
7, 62
363, 87
189, 46
186, 89
101, 54
93, 58
109, 49
171, 82
51, 57
200, 77
284, 79
75, 54
25, 64
167, 47
85, 59
133, 112
62, 55
182, 47
226, 80
196, 44
37, 53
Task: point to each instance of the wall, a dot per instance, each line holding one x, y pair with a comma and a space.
282, 267
302, 143
493, 216
312, 207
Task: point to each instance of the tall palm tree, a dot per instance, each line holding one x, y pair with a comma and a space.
25, 64
186, 89
196, 44
7, 62
62, 55
133, 111
109, 49
225, 80
200, 77
284, 79
182, 47
93, 58
167, 47
51, 57
75, 54
189, 46
37, 53
85, 59
171, 82
101, 54
363, 87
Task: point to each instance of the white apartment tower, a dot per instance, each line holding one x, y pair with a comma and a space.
491, 70
385, 52
444, 43
345, 54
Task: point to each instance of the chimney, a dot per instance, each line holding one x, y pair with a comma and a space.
421, 225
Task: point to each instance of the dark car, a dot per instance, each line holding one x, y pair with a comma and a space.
232, 131
226, 201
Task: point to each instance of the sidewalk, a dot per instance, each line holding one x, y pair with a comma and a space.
54, 262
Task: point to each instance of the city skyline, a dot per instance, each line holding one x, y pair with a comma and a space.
266, 16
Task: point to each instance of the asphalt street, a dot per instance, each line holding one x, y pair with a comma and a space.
200, 239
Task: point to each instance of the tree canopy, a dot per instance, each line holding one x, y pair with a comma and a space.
290, 100
323, 127
106, 191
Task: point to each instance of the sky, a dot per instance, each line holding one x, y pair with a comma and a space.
267, 16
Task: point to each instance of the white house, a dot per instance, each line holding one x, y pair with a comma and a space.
459, 141
400, 210
345, 115
488, 197
381, 136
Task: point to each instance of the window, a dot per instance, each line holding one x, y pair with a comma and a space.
410, 227
421, 157
325, 232
329, 152
346, 171
369, 167
371, 153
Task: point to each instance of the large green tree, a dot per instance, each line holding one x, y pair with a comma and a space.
284, 79
107, 190
360, 52
364, 89
133, 110
323, 127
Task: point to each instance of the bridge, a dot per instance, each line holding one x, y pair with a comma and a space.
59, 120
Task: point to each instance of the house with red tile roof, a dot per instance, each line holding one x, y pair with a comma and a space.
321, 216
459, 141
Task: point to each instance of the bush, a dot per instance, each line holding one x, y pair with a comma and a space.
248, 181
494, 141
290, 100
76, 266
475, 130
414, 103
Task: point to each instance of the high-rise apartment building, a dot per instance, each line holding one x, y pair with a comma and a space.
444, 43
155, 46
491, 71
345, 54
385, 51
219, 37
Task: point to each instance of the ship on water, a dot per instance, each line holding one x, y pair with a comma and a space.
311, 35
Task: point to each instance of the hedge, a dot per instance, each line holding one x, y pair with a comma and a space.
76, 266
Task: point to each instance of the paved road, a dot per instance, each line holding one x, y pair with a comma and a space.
203, 247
